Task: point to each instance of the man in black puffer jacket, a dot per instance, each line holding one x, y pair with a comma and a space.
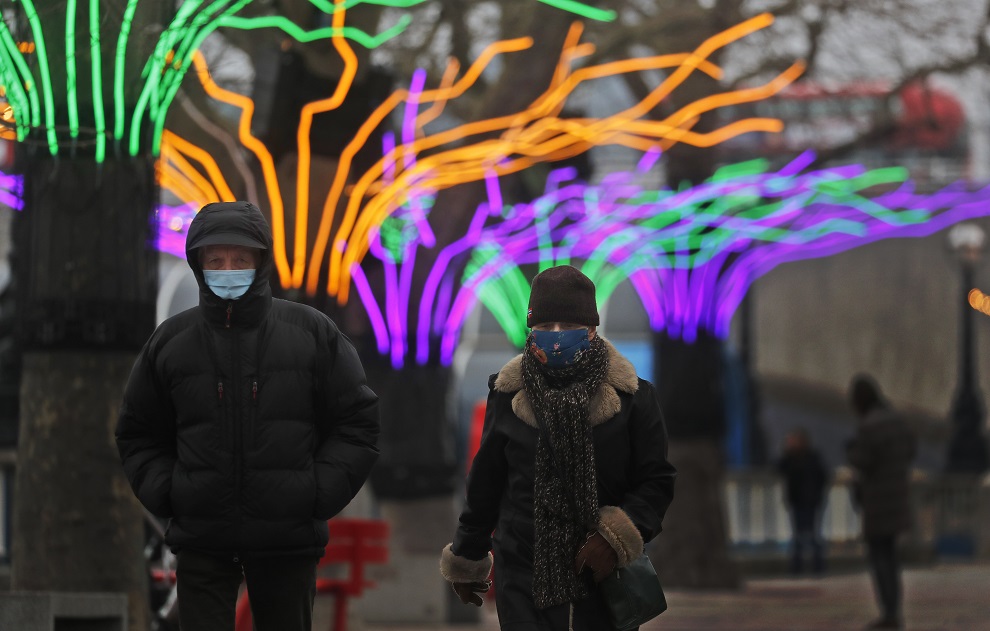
248, 423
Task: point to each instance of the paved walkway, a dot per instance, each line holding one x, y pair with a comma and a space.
938, 598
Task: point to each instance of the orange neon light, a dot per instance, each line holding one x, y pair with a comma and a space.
364, 132
265, 159
466, 153
525, 136
177, 148
302, 138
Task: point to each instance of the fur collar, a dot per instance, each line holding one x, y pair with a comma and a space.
604, 404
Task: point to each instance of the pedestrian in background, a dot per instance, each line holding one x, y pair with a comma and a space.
881, 454
569, 504
246, 422
805, 480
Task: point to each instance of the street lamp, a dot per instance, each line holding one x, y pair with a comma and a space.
967, 447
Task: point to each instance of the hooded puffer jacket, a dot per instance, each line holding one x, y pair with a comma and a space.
247, 422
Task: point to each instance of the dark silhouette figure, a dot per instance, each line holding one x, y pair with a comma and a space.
805, 480
881, 453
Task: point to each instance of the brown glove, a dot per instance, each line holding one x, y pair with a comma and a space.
597, 555
468, 592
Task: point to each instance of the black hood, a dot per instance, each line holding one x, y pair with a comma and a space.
236, 223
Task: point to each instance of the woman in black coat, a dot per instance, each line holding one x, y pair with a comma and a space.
561, 506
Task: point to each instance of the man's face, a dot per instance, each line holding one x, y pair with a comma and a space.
229, 257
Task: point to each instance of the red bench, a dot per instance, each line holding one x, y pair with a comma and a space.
354, 543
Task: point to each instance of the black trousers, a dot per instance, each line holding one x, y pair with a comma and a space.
886, 568
806, 527
282, 590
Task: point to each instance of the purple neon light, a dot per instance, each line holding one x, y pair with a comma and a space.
367, 296
11, 191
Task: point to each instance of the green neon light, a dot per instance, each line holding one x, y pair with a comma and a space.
15, 91
301, 35
506, 296
46, 78
592, 13
96, 60
119, 115
191, 43
21, 79
153, 72
72, 102
330, 7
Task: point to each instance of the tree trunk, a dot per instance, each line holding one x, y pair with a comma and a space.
88, 282
418, 458
77, 526
693, 551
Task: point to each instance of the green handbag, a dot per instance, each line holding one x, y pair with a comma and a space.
633, 594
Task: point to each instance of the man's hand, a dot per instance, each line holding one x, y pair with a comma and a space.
469, 592
596, 554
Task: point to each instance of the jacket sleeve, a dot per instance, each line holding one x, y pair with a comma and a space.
347, 427
468, 558
652, 479
859, 452
145, 436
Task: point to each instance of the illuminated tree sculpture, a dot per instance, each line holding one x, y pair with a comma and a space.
421, 159
693, 253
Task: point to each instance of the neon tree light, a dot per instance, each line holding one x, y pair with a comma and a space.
162, 74
691, 282
10, 191
538, 135
691, 254
468, 152
592, 13
165, 68
691, 270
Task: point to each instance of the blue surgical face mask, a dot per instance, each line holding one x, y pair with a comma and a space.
557, 349
229, 284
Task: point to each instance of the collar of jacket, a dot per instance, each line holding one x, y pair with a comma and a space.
247, 311
604, 403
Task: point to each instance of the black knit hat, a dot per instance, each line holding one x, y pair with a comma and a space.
562, 294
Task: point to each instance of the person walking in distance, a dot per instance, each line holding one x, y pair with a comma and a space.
881, 453
247, 422
572, 472
805, 480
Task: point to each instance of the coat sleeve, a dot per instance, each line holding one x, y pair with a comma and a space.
652, 482
468, 558
859, 452
145, 436
347, 427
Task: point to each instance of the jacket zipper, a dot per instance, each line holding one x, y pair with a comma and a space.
238, 432
252, 429
230, 309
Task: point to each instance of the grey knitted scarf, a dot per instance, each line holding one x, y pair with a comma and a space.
560, 399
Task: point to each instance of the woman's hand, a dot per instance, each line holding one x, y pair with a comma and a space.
598, 555
469, 592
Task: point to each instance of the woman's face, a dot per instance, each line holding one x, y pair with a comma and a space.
564, 326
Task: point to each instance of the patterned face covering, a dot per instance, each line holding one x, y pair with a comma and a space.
556, 349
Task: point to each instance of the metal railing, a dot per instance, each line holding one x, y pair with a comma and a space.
757, 514
948, 512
